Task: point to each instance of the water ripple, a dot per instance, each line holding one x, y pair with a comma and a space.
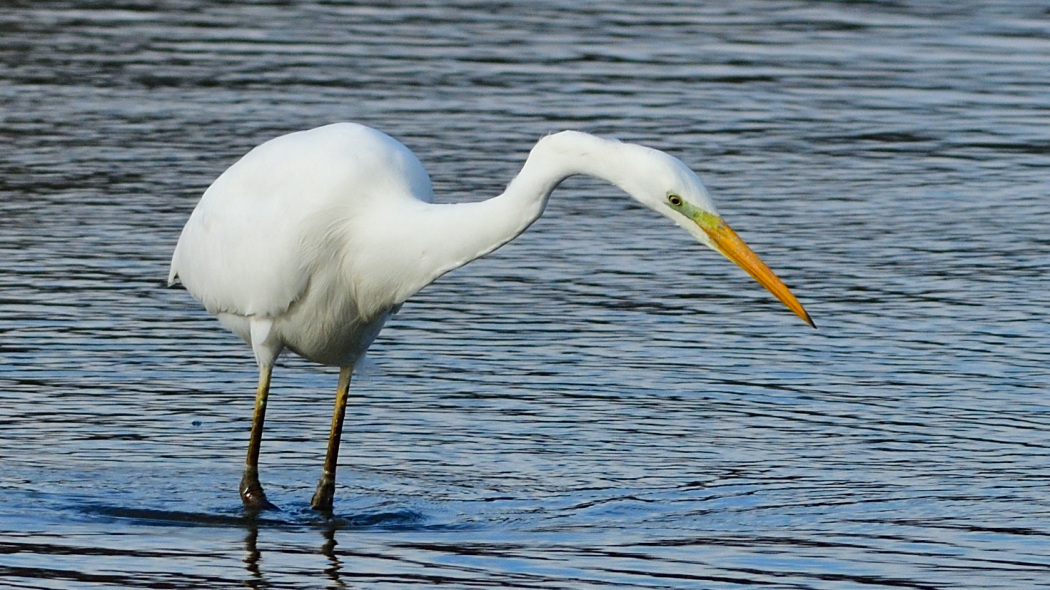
598, 404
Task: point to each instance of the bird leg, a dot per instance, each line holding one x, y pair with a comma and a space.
251, 490
322, 500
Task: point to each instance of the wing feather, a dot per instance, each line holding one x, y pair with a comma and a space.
251, 245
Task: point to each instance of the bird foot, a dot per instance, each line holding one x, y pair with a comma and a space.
323, 495
252, 494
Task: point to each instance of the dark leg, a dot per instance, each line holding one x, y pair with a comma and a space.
251, 491
322, 500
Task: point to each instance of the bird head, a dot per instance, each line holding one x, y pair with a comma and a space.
666, 185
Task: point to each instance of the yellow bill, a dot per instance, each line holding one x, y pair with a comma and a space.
734, 248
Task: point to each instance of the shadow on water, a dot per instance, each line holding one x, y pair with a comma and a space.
400, 520
255, 557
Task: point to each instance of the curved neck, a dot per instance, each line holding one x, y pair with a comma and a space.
466, 231
433, 239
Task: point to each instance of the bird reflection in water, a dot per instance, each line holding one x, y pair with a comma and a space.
253, 556
328, 550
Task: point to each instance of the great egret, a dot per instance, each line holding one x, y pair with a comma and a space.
314, 239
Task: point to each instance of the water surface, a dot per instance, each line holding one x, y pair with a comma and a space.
599, 404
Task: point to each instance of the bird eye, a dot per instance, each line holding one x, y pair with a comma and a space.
675, 200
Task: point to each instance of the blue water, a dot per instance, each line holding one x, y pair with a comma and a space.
600, 404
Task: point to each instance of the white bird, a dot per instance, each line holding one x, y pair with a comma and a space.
314, 239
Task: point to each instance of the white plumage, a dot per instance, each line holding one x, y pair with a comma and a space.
296, 221
313, 239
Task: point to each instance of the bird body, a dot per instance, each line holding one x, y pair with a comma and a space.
293, 236
314, 239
